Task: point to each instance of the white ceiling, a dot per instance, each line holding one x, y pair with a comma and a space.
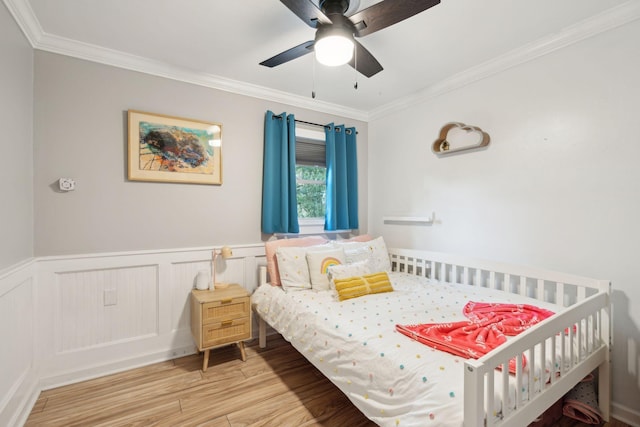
220, 43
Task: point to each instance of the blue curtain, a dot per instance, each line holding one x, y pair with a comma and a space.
279, 202
342, 178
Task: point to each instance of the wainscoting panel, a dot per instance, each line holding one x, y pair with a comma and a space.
16, 330
18, 379
106, 306
115, 311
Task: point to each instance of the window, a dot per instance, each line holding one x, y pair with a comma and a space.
311, 176
291, 166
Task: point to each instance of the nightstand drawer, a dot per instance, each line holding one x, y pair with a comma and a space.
225, 309
227, 331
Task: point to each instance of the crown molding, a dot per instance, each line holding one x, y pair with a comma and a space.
26, 19
605, 21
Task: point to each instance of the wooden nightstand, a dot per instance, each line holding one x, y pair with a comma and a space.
220, 317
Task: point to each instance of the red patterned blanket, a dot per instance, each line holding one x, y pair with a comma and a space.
488, 326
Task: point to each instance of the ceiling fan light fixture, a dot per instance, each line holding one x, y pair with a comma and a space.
333, 49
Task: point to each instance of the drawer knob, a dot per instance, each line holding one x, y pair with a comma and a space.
226, 301
227, 323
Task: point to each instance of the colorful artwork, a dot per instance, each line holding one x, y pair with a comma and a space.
171, 149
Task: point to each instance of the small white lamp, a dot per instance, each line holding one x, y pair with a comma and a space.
226, 253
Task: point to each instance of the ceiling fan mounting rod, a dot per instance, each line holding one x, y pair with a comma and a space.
330, 7
334, 10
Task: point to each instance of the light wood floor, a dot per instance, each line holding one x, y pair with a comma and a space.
274, 387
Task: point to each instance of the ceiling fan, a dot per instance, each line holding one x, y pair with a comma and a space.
334, 43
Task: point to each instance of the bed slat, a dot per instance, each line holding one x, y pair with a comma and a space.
522, 290
563, 353
582, 294
518, 381
490, 405
506, 408
542, 363
540, 290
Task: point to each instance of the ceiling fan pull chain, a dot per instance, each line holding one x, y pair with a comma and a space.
313, 83
355, 63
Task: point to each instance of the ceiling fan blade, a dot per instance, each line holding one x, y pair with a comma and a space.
288, 55
386, 13
307, 11
364, 61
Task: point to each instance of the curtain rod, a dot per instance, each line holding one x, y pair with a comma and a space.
311, 123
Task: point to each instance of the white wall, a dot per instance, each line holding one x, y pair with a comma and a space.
17, 327
81, 132
16, 122
558, 187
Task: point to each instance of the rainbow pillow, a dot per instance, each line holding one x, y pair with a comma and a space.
353, 287
319, 263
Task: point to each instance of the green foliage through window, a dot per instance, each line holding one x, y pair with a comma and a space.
311, 190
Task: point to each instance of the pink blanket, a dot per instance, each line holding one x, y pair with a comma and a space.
581, 403
486, 329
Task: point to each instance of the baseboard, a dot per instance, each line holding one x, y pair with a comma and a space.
18, 406
101, 370
625, 414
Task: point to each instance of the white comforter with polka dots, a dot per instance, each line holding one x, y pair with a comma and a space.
392, 379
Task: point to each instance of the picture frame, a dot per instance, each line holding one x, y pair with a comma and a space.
164, 148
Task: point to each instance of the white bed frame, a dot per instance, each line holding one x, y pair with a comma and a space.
584, 328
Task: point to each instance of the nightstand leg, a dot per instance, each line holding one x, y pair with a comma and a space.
205, 361
242, 353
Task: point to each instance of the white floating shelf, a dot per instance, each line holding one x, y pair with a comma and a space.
410, 219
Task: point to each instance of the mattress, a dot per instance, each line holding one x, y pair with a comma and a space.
392, 379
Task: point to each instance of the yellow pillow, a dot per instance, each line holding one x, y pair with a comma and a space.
353, 287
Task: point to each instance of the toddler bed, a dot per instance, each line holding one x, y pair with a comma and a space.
395, 380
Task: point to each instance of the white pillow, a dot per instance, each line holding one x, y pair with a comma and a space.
292, 265
293, 268
375, 250
319, 263
343, 271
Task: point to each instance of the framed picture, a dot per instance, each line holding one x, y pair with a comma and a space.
173, 149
